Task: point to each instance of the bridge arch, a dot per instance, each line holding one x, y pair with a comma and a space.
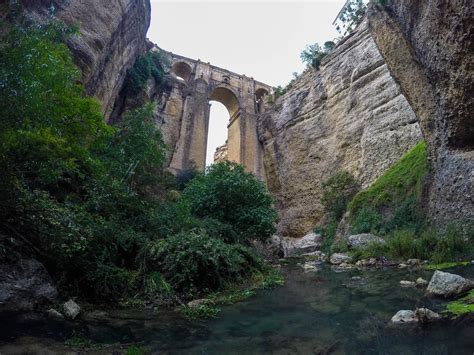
182, 70
226, 97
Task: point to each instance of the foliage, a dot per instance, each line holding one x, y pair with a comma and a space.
434, 245
393, 201
445, 265
337, 192
201, 311
89, 200
352, 15
193, 261
230, 195
462, 306
313, 53
145, 67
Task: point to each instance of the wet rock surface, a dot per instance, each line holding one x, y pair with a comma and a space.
24, 286
445, 284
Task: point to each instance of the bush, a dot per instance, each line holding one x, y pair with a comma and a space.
337, 192
145, 67
230, 195
193, 262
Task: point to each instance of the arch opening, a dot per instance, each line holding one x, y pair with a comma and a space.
217, 132
182, 71
227, 98
224, 127
259, 99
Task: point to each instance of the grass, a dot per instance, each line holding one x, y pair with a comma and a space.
79, 341
234, 293
444, 249
462, 306
391, 201
201, 311
446, 265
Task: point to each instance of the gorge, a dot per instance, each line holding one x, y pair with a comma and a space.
365, 165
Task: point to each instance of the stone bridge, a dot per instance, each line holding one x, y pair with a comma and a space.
195, 84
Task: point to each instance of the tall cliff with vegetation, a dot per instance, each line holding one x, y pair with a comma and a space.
348, 115
428, 49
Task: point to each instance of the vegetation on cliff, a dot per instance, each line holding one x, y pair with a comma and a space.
94, 202
392, 207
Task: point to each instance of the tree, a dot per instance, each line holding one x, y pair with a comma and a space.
235, 198
352, 15
313, 53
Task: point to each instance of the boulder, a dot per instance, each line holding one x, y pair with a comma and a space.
445, 284
25, 285
311, 266
361, 241
426, 315
413, 261
198, 303
298, 246
339, 258
421, 282
71, 309
404, 316
422, 315
54, 314
404, 283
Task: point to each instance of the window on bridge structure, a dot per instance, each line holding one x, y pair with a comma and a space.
259, 99
182, 71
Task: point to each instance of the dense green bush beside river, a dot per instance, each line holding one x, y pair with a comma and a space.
94, 202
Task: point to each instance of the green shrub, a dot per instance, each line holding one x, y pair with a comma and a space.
145, 67
193, 262
337, 192
230, 195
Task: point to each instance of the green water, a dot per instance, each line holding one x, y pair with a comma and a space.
321, 312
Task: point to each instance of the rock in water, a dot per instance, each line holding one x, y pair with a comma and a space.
404, 283
446, 285
426, 315
404, 316
24, 285
198, 303
297, 246
361, 241
421, 282
339, 258
71, 309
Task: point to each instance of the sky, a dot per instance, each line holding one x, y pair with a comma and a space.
262, 39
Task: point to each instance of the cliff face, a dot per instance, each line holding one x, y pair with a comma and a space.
349, 116
112, 35
428, 48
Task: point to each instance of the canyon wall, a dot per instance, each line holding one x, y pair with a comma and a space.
350, 115
112, 34
428, 47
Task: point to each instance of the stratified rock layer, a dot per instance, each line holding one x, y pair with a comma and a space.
428, 48
112, 34
349, 116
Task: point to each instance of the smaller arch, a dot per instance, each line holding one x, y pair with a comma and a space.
260, 93
182, 70
226, 97
259, 97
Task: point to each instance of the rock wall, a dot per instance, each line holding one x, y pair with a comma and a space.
349, 116
428, 48
112, 35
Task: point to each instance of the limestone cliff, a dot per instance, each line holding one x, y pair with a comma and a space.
112, 35
349, 116
428, 48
